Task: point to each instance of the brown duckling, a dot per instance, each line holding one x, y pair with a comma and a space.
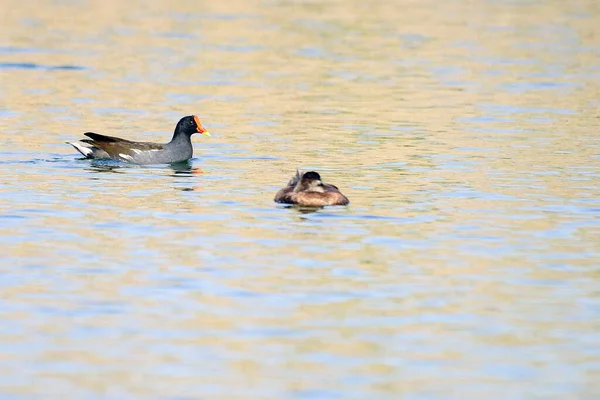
307, 189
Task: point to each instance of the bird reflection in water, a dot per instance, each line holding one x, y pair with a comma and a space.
185, 169
307, 210
303, 209
180, 169
107, 165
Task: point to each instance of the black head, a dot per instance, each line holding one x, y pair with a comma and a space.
310, 182
311, 176
190, 125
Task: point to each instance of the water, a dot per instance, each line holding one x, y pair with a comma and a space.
465, 134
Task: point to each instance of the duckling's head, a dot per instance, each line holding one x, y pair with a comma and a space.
310, 182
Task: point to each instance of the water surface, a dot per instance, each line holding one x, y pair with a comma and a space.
465, 134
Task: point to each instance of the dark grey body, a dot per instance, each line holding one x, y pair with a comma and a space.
178, 149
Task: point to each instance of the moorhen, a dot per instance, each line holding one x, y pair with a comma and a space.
178, 149
306, 189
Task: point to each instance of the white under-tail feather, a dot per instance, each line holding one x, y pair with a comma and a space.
85, 151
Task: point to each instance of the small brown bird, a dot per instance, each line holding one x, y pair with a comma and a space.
307, 189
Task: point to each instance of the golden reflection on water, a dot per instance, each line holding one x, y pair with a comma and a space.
464, 133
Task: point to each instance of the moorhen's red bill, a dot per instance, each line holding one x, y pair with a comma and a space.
178, 149
307, 189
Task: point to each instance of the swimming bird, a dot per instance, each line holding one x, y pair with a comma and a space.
307, 189
178, 149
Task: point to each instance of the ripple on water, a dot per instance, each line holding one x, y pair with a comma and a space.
465, 135
41, 67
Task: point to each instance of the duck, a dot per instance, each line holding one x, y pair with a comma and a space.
179, 149
307, 189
